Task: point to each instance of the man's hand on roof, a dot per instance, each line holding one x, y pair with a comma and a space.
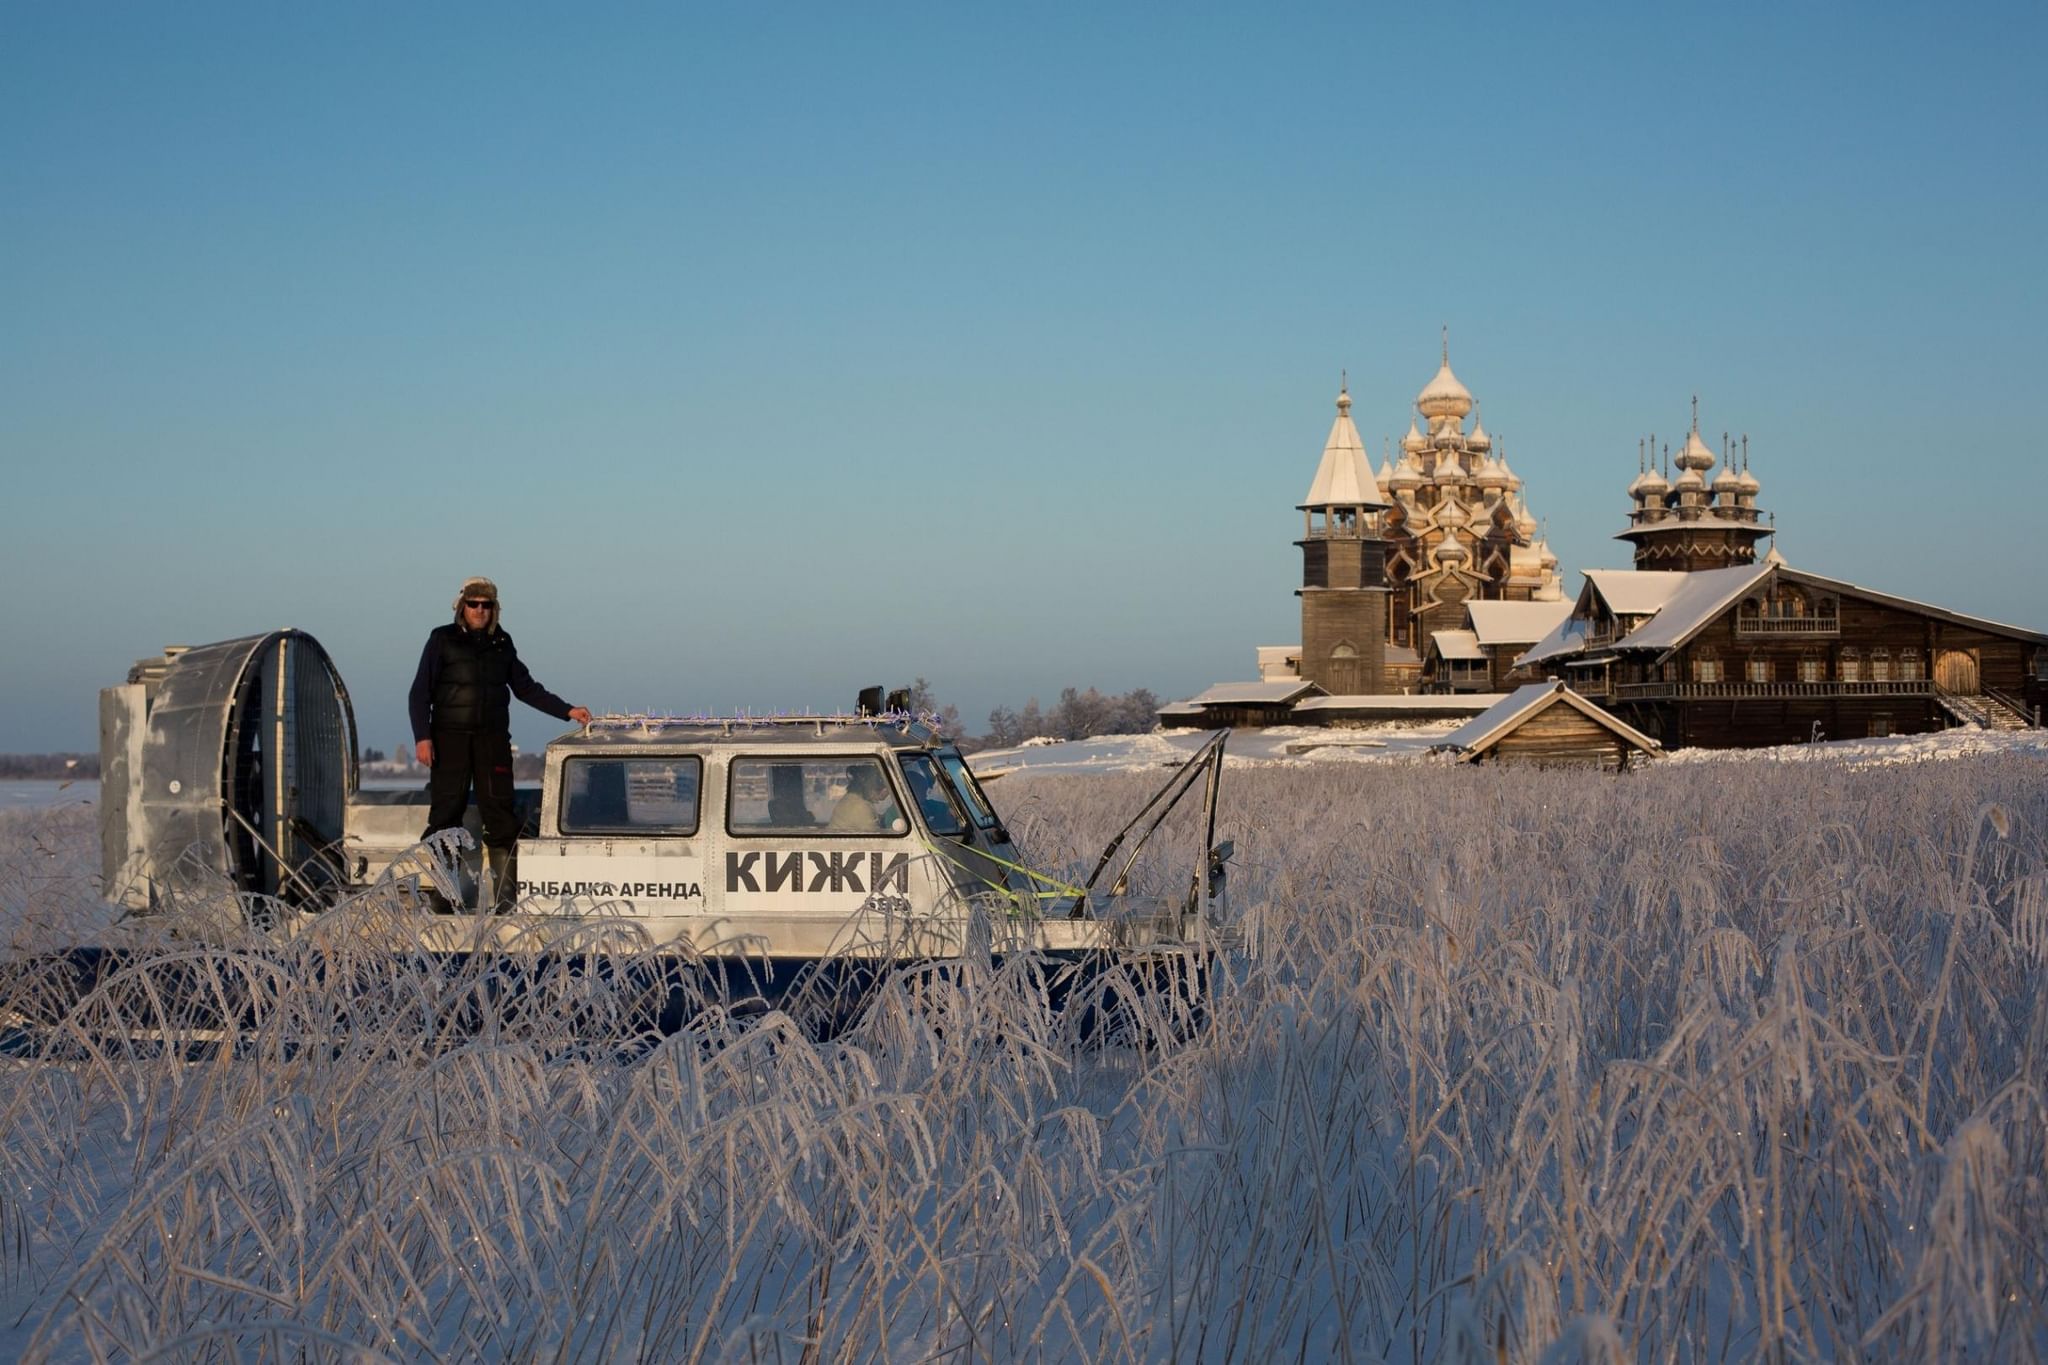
580, 714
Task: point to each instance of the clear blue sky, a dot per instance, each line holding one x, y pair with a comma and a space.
761, 352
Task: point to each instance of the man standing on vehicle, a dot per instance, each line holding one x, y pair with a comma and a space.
462, 725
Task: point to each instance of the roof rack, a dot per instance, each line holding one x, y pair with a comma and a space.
920, 725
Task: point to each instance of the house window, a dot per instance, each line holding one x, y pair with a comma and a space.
1880, 726
1880, 665
1706, 667
1759, 669
1813, 668
1851, 666
1912, 665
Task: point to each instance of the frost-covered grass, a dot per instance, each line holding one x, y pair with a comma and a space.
1705, 1062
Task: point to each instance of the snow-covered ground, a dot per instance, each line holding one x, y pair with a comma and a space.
1408, 742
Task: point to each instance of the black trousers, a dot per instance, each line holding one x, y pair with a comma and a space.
463, 758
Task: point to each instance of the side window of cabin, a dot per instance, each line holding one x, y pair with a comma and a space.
941, 814
819, 796
968, 790
604, 795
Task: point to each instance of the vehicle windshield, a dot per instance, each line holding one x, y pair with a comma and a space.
941, 812
968, 790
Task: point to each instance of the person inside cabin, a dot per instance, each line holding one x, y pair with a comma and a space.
461, 707
786, 806
867, 807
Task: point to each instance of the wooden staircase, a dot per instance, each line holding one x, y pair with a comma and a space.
1987, 710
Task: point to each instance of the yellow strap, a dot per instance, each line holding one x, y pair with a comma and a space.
1060, 887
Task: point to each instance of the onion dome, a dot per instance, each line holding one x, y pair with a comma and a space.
1545, 556
1414, 440
1449, 467
1690, 481
1508, 477
1695, 456
1479, 440
1491, 473
1451, 512
1407, 474
1444, 396
1451, 551
1650, 484
1748, 482
1385, 474
1727, 483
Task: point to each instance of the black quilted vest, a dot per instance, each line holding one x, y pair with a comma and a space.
473, 688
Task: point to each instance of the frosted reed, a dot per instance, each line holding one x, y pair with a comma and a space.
1705, 1063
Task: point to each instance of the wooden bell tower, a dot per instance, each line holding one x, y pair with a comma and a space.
1343, 568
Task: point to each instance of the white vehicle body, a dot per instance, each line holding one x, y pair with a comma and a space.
797, 838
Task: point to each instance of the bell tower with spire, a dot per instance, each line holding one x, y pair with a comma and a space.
1343, 567
1689, 522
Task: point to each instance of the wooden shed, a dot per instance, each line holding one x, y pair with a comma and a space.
1549, 724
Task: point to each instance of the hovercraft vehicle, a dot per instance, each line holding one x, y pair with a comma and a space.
737, 858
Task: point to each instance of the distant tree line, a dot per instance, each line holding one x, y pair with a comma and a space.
1077, 715
49, 766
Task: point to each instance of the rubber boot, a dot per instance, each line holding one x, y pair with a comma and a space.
504, 867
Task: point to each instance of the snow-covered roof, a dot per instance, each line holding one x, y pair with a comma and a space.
1940, 613
1406, 701
1515, 623
1483, 731
1180, 708
1344, 478
1701, 596
1566, 638
1456, 644
1708, 522
1909, 604
1637, 592
1253, 693
1279, 662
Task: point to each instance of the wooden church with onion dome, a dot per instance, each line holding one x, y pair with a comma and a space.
1390, 558
1392, 562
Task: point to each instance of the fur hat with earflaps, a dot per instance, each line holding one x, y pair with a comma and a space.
478, 586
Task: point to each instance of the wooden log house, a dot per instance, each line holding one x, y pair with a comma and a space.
1548, 725
1702, 643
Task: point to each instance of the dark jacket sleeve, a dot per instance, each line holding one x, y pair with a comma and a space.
528, 690
420, 701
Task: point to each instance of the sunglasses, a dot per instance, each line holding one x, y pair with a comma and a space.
480, 603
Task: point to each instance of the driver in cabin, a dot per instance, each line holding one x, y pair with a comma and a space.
462, 725
867, 807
